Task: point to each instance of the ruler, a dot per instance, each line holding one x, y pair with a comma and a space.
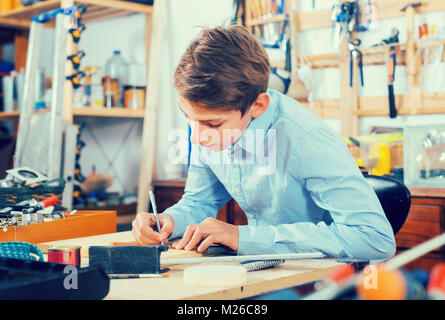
254, 257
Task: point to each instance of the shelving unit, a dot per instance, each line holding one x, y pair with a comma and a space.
18, 22
350, 106
96, 10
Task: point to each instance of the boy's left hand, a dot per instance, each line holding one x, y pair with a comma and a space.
210, 231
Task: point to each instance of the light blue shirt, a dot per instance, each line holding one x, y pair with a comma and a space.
298, 184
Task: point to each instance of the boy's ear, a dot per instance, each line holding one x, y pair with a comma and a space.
260, 105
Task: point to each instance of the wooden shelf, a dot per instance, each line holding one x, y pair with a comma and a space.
9, 115
96, 10
378, 106
89, 112
109, 112
386, 9
260, 21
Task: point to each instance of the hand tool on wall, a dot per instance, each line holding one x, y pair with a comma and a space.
393, 38
355, 54
391, 75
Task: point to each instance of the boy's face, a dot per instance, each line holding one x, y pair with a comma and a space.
218, 129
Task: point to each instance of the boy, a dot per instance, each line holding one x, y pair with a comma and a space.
290, 173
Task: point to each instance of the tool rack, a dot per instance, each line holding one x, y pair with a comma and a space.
18, 22
350, 106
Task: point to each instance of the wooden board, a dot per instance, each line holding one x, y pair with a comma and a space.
289, 274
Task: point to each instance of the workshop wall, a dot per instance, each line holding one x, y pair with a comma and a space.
104, 137
184, 21
374, 76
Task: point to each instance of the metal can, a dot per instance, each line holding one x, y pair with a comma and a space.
66, 254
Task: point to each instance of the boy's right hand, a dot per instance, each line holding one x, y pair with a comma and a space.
144, 225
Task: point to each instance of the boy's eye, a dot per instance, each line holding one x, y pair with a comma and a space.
211, 125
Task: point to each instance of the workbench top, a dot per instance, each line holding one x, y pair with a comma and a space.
289, 274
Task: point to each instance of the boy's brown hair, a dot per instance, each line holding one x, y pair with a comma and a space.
224, 68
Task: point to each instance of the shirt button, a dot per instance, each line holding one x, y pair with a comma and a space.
238, 190
250, 215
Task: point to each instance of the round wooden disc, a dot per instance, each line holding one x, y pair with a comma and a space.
215, 275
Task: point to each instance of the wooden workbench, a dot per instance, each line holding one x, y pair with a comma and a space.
289, 274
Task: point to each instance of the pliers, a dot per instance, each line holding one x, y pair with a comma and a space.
355, 53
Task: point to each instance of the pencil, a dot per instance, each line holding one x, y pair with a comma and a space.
155, 211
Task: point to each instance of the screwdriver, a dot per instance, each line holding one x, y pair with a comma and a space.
42, 204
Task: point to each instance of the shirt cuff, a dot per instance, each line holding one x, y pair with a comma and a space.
179, 223
255, 240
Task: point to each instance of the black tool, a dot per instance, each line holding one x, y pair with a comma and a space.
394, 38
127, 259
37, 280
391, 75
414, 5
355, 54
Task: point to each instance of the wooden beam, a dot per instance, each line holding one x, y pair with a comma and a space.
149, 137
68, 90
21, 49
348, 94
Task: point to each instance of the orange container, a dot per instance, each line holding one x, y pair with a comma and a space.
6, 5
17, 4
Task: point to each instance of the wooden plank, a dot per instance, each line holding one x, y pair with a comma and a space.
21, 17
313, 20
108, 112
15, 22
148, 158
102, 14
260, 21
386, 9
21, 49
324, 61
9, 115
27, 12
121, 5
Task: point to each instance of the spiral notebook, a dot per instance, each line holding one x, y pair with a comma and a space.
260, 264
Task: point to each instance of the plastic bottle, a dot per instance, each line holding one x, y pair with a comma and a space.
116, 69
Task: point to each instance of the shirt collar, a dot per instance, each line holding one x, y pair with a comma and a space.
256, 131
